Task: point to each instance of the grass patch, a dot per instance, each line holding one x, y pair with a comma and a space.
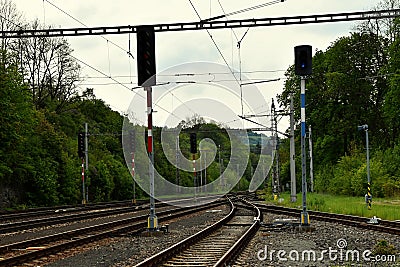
387, 209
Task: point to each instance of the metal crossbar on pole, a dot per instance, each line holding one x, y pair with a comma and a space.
203, 25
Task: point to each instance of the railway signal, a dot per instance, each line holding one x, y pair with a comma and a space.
303, 60
146, 58
81, 145
193, 150
193, 143
303, 67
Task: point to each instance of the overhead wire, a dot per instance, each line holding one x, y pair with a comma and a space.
83, 24
238, 41
96, 69
255, 81
244, 10
240, 60
215, 44
121, 84
109, 64
129, 52
194, 74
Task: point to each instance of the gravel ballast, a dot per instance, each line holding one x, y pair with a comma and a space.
129, 250
270, 247
333, 245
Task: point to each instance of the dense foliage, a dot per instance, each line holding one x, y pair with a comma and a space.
38, 157
354, 82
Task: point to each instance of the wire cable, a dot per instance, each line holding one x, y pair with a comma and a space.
121, 84
83, 24
244, 10
212, 39
95, 69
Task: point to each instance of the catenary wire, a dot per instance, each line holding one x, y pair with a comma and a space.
119, 83
244, 10
83, 24
212, 39
109, 64
129, 53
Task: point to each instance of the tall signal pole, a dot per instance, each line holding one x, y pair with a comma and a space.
303, 67
146, 68
152, 223
304, 214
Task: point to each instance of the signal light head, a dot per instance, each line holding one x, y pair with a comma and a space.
303, 60
146, 63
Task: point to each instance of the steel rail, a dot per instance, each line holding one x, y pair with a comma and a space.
35, 223
136, 224
44, 211
158, 258
64, 217
386, 226
206, 25
234, 251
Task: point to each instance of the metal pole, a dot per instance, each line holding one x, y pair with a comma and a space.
220, 165
305, 220
152, 219
133, 177
132, 140
368, 171
293, 196
177, 163
83, 182
311, 160
86, 197
273, 173
205, 172
194, 175
201, 176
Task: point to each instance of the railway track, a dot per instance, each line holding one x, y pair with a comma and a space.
21, 221
25, 251
391, 227
216, 245
11, 216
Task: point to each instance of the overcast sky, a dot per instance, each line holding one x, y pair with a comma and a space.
265, 53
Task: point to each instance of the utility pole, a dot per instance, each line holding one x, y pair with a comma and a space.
293, 196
